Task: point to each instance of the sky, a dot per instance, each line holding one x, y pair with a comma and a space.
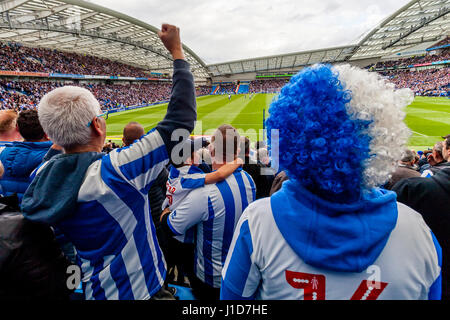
226, 30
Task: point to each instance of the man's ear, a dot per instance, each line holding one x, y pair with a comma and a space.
97, 126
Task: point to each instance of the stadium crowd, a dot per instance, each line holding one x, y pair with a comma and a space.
267, 86
430, 82
16, 57
444, 55
336, 198
26, 95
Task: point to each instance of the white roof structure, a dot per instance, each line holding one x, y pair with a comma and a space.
417, 22
292, 61
85, 28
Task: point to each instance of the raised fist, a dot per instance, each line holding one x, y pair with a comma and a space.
170, 37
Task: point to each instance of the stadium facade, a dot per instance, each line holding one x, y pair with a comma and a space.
85, 28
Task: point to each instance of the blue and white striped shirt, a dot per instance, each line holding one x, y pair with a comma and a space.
180, 183
215, 209
112, 229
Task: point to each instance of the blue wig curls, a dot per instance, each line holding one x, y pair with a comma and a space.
322, 147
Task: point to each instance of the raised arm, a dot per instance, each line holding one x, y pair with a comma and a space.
224, 172
142, 162
182, 109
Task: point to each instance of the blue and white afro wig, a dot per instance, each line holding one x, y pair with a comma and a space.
341, 130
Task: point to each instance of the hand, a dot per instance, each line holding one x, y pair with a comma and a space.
239, 161
164, 213
170, 37
431, 160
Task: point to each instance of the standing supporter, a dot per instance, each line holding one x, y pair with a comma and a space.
330, 233
183, 179
9, 131
436, 161
405, 169
263, 182
214, 210
21, 158
99, 201
431, 198
132, 132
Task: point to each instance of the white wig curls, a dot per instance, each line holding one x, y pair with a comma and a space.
376, 100
64, 114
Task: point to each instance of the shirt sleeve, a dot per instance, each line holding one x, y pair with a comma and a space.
193, 181
191, 211
240, 275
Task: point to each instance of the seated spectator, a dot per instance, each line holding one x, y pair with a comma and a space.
21, 158
100, 202
405, 169
214, 210
9, 131
431, 198
330, 227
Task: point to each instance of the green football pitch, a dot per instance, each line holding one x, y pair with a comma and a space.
428, 118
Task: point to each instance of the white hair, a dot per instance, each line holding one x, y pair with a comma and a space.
263, 155
64, 114
375, 99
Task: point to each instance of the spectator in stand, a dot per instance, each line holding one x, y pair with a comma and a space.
99, 202
214, 209
431, 198
423, 163
405, 169
184, 177
9, 131
436, 161
132, 132
20, 158
330, 226
263, 181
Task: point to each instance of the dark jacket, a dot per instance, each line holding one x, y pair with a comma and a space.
32, 265
278, 182
263, 183
435, 169
19, 160
431, 198
402, 172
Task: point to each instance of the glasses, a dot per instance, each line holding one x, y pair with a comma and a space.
100, 115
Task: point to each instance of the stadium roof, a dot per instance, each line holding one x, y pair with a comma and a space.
417, 22
83, 27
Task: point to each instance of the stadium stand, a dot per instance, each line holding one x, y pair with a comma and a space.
27, 94
16, 57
